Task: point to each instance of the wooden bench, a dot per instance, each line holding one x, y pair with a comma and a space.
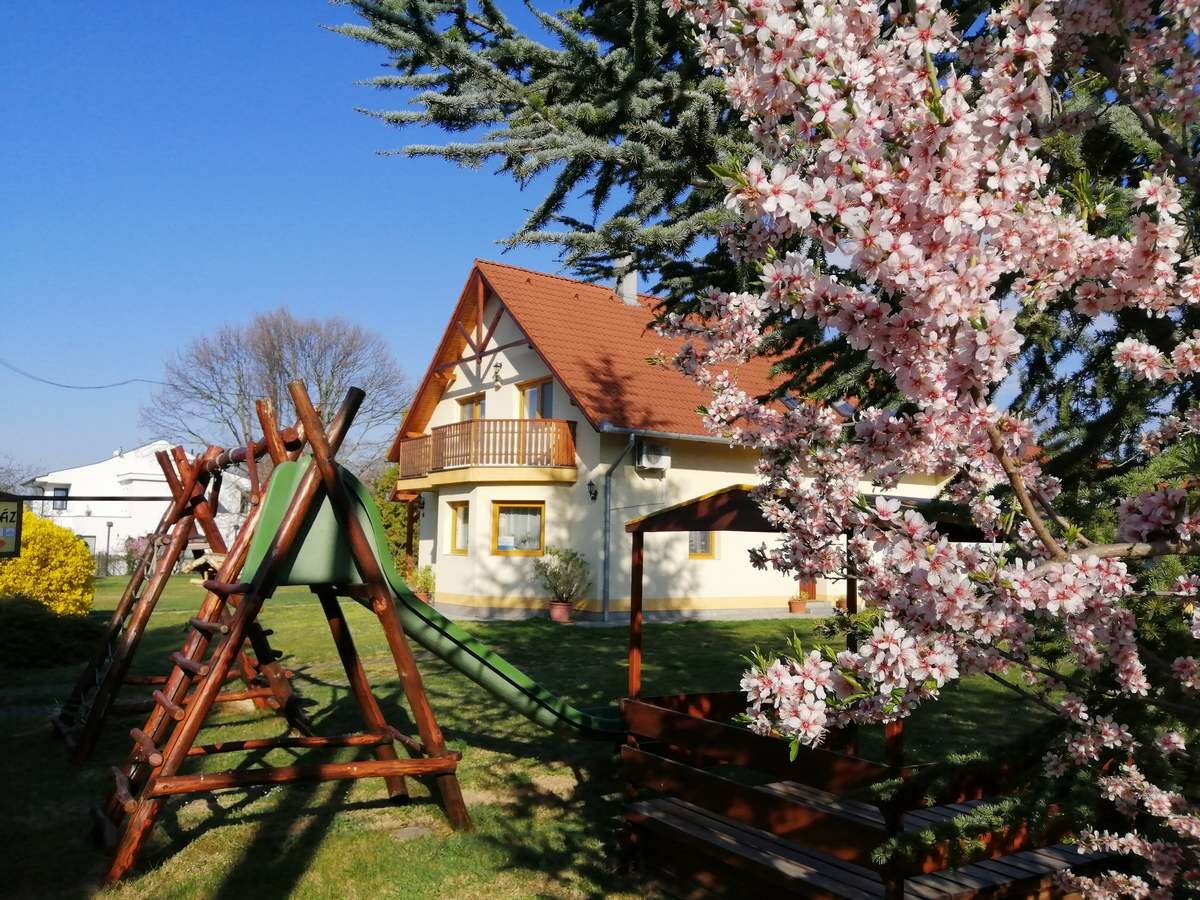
801, 826
713, 855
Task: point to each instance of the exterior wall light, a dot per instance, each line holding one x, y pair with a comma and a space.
592, 492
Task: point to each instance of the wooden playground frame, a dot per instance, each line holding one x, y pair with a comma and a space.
152, 770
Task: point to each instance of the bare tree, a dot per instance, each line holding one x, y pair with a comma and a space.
212, 383
14, 474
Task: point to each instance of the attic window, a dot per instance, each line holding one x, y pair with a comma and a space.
60, 492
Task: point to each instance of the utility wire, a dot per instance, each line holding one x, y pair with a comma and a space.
76, 387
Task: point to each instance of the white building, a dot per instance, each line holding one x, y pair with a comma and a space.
105, 525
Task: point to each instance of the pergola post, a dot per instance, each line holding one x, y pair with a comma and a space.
410, 534
635, 617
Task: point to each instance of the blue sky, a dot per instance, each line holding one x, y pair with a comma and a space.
167, 168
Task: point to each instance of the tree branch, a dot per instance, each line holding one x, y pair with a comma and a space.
1056, 518
1128, 550
1108, 67
1018, 485
1024, 693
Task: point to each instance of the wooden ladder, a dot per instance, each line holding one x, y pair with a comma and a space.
94, 695
152, 771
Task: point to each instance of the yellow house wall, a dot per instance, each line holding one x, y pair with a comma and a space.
673, 581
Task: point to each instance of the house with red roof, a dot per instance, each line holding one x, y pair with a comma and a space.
546, 419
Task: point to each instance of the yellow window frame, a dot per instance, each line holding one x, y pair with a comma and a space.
712, 547
498, 505
455, 507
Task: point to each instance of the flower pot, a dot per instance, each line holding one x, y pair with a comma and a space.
560, 611
797, 606
422, 596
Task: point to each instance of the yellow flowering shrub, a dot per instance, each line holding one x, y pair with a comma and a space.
55, 568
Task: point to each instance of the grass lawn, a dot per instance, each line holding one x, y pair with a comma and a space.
545, 807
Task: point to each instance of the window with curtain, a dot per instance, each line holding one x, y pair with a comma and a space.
701, 545
518, 528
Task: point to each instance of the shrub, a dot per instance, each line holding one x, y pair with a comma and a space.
565, 573
32, 637
422, 580
54, 568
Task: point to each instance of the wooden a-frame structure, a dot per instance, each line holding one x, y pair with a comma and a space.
152, 771
93, 697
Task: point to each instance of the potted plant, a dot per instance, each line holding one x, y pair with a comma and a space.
565, 575
805, 591
422, 581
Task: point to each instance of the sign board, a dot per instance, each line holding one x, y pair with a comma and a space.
10, 526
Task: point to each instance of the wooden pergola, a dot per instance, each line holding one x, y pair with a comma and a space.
730, 509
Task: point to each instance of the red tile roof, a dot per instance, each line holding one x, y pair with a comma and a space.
597, 347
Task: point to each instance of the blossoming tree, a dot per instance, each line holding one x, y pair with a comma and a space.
900, 200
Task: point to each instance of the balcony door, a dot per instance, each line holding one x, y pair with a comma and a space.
469, 439
537, 437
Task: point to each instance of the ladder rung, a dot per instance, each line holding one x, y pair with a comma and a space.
145, 679
190, 666
209, 628
122, 792
150, 753
174, 710
225, 588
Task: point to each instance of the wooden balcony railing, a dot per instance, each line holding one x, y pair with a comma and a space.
489, 442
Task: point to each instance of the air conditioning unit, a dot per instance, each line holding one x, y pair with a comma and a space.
656, 457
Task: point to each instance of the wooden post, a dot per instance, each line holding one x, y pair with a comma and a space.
381, 601
635, 618
851, 593
851, 730
359, 686
410, 535
893, 743
270, 425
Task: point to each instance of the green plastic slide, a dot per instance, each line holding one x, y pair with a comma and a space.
321, 555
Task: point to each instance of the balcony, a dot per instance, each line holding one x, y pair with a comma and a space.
514, 449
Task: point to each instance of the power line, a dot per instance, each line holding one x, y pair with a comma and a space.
76, 387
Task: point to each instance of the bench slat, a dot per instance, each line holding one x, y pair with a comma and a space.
863, 877
857, 809
1010, 873
733, 848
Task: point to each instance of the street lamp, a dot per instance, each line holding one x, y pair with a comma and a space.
107, 548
